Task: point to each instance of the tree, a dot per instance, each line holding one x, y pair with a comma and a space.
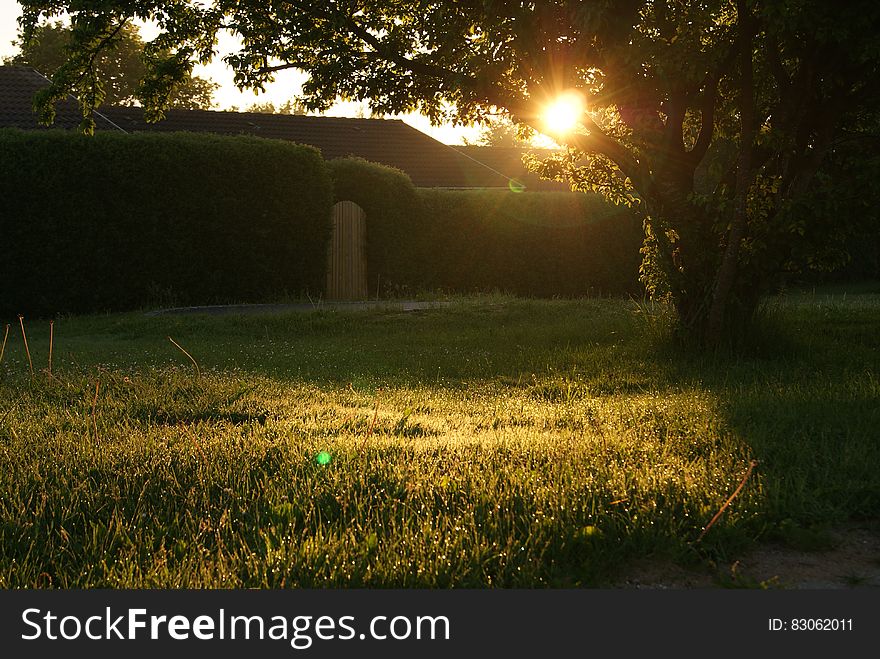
118, 68
289, 107
502, 132
713, 117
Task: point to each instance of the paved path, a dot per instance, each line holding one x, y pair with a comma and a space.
229, 309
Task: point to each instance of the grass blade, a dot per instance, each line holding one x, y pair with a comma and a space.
179, 347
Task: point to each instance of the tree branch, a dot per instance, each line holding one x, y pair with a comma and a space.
777, 69
489, 92
707, 108
599, 142
101, 45
373, 41
279, 67
673, 135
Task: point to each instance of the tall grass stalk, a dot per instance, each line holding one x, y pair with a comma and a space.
26, 349
3, 347
179, 347
752, 465
51, 343
95, 411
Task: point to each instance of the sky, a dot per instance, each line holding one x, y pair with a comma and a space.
286, 85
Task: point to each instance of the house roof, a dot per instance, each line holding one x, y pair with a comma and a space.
509, 159
392, 142
428, 162
18, 84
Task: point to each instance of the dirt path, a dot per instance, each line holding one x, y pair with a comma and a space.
235, 309
853, 562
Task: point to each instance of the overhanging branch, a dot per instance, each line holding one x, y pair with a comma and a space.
278, 67
390, 54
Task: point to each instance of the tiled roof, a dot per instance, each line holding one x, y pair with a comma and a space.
18, 84
428, 162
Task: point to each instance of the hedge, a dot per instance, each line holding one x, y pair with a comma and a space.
539, 244
116, 221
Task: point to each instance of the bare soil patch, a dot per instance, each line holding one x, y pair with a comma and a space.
852, 562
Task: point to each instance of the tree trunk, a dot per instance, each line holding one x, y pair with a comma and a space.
727, 271
686, 257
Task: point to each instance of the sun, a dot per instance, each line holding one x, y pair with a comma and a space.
563, 114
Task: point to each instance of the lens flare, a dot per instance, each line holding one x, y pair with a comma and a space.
323, 458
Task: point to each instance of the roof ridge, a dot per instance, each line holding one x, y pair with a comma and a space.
322, 117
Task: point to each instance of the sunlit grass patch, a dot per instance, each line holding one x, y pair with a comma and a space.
536, 444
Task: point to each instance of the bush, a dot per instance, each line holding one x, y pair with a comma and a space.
539, 244
115, 221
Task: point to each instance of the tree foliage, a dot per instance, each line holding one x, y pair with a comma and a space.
118, 67
503, 132
112, 75
288, 107
713, 116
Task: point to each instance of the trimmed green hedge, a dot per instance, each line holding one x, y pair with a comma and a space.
541, 244
118, 221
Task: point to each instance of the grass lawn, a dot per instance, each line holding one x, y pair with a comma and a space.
493, 442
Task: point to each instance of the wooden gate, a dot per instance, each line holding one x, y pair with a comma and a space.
347, 273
